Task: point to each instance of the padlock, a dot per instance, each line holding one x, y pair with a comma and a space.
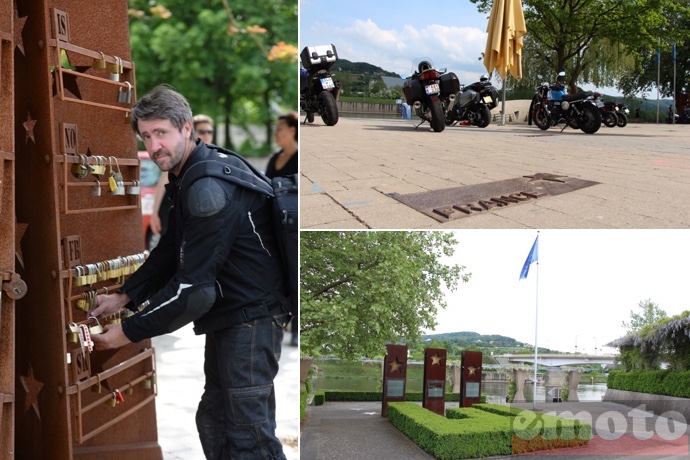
15, 288
81, 170
96, 189
78, 279
114, 70
73, 333
134, 189
146, 384
119, 188
125, 97
97, 388
99, 63
98, 168
129, 391
119, 397
97, 329
112, 401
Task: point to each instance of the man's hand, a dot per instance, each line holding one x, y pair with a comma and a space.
109, 304
112, 337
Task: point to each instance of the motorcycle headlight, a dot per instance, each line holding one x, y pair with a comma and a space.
627, 110
565, 105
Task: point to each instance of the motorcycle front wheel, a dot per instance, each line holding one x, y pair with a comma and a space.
329, 109
589, 120
610, 119
438, 122
622, 120
483, 116
542, 118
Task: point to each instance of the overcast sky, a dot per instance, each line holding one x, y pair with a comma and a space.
589, 280
393, 34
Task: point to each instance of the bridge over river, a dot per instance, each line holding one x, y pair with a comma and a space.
556, 360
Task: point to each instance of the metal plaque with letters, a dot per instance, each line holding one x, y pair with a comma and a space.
471, 378
394, 375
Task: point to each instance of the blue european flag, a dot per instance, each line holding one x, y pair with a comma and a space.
673, 59
531, 258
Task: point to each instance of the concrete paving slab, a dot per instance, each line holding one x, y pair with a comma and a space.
180, 376
643, 170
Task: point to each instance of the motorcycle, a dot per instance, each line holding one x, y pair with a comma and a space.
425, 91
318, 91
574, 110
622, 111
472, 104
609, 111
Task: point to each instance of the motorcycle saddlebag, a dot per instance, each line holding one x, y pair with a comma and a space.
467, 97
318, 57
412, 90
449, 84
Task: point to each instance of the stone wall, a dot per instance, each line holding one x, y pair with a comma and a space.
659, 404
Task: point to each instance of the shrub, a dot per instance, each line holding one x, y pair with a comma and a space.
377, 396
319, 398
662, 382
485, 430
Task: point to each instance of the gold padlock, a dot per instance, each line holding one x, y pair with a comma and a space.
97, 388
97, 329
146, 384
99, 63
112, 401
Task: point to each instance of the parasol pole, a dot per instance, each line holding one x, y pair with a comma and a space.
503, 102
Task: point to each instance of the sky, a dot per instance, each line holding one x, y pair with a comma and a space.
588, 282
392, 35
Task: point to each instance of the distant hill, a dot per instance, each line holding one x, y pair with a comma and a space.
467, 338
362, 68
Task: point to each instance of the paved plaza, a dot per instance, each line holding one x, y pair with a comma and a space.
349, 171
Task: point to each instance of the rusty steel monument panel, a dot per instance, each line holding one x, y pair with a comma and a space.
78, 207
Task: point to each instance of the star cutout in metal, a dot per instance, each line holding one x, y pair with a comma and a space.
545, 176
396, 366
19, 230
436, 359
18, 28
472, 370
29, 125
32, 387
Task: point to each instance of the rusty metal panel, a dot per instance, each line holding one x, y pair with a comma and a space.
80, 238
7, 230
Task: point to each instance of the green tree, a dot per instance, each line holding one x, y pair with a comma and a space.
237, 63
360, 290
594, 41
649, 313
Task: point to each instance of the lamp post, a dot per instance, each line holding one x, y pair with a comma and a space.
576, 343
595, 346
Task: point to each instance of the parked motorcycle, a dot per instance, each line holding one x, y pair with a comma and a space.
473, 103
622, 112
318, 91
574, 110
609, 111
425, 91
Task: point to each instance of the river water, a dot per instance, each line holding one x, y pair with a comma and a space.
495, 391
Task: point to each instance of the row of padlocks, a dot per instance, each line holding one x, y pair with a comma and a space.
70, 229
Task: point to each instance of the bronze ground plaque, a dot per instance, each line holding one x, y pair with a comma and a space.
453, 203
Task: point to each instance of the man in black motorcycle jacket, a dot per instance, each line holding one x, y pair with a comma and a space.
218, 232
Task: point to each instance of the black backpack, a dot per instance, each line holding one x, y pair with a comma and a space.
283, 193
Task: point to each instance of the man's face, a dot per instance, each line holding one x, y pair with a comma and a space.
205, 132
164, 143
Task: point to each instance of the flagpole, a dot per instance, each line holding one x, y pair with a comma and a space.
536, 335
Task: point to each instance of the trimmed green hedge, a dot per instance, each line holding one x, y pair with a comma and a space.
319, 398
663, 382
485, 430
378, 396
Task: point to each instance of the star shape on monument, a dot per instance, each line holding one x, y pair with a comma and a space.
545, 176
32, 387
19, 230
472, 370
396, 366
29, 125
18, 28
436, 359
